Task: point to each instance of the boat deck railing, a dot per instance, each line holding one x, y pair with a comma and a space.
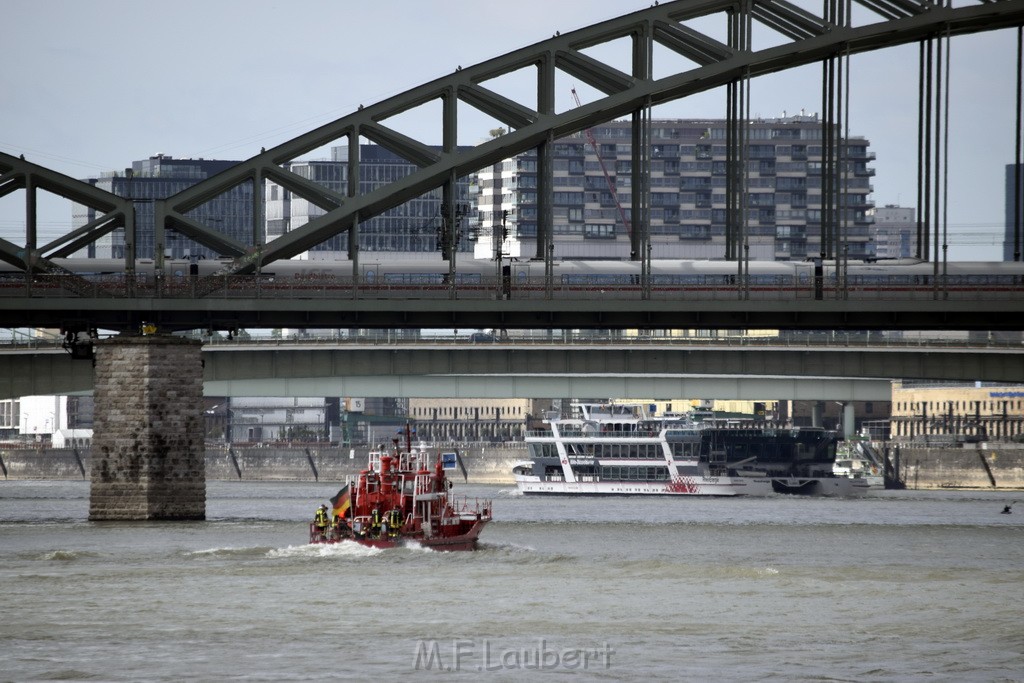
580, 434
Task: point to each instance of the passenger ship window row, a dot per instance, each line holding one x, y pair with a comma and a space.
631, 451
680, 451
619, 451
635, 473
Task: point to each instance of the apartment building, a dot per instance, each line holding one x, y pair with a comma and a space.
783, 192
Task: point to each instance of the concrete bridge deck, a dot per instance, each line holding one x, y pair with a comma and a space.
640, 367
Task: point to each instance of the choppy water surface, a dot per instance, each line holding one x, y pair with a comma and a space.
900, 586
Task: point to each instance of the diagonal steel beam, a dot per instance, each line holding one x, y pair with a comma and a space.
30, 261
897, 9
11, 181
409, 149
691, 44
309, 190
64, 186
13, 254
68, 244
497, 106
592, 72
219, 242
200, 193
789, 20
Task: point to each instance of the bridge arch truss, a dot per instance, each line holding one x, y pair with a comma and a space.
807, 38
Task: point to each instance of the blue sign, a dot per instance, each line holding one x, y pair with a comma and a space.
449, 461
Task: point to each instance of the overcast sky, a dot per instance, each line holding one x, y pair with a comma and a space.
89, 87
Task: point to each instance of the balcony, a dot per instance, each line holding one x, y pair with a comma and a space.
860, 153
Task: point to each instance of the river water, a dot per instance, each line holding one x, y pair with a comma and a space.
900, 586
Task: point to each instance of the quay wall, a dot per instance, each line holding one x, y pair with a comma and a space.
968, 467
44, 463
485, 463
923, 468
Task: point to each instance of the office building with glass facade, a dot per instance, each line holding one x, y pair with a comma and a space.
159, 177
410, 227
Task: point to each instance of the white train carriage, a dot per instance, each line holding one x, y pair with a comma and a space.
896, 275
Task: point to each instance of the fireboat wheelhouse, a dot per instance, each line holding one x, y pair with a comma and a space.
403, 498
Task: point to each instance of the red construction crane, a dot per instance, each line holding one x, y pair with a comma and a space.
611, 183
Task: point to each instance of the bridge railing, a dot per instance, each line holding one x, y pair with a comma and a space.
906, 340
694, 288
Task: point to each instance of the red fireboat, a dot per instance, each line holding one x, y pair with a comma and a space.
402, 498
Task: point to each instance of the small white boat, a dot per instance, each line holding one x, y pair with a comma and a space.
855, 466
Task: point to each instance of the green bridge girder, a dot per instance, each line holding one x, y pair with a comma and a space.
808, 38
811, 37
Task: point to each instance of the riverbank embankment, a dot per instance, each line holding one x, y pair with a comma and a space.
485, 463
973, 466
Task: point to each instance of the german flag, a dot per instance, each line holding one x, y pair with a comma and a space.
342, 501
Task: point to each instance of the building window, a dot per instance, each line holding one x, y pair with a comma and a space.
598, 231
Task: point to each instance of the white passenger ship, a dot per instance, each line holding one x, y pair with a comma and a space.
619, 449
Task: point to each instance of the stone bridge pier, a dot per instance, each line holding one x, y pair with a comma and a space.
148, 452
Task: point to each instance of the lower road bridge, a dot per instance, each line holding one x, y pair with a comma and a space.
460, 367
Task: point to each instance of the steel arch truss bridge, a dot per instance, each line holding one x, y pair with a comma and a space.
697, 62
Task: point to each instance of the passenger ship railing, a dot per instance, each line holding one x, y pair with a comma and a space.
574, 434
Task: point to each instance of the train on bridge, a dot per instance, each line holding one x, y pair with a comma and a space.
97, 293
375, 271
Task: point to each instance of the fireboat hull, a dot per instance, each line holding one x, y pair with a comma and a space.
458, 541
699, 486
466, 541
